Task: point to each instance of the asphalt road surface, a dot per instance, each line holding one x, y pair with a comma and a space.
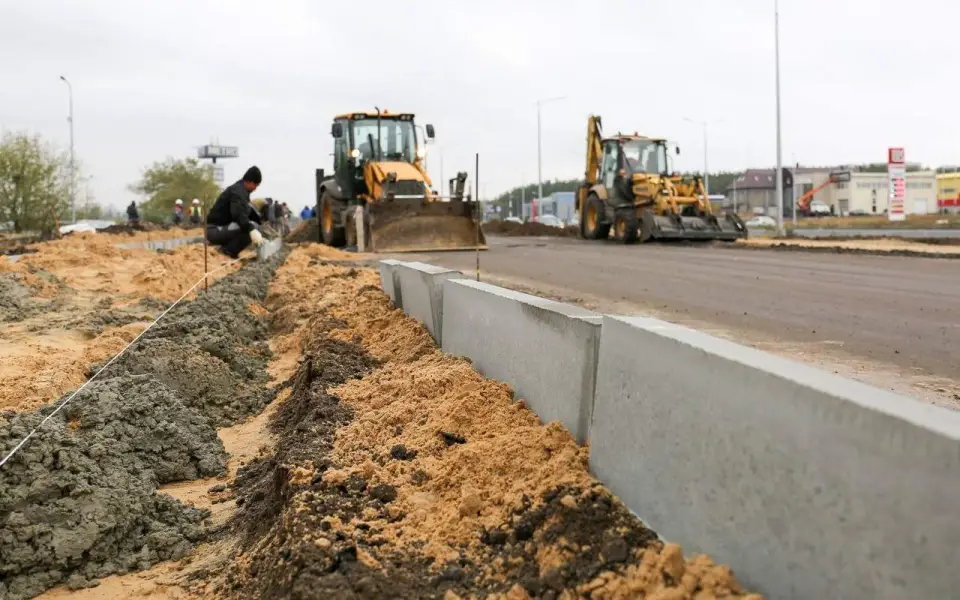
901, 312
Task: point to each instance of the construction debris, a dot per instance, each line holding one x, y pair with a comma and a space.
530, 229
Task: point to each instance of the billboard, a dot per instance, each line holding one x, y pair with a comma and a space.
215, 151
897, 175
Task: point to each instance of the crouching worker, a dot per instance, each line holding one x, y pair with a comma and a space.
232, 222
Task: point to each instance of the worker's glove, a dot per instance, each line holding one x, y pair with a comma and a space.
257, 238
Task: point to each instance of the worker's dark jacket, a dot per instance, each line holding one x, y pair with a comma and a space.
233, 206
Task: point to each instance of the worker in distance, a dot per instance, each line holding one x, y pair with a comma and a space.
233, 223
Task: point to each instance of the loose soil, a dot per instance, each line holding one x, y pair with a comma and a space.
401, 472
80, 501
889, 247
76, 301
512, 229
307, 230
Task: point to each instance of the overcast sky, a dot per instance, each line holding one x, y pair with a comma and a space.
158, 79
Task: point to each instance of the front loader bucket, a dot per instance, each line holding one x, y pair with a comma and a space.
424, 226
725, 228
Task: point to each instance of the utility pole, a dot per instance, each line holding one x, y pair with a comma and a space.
539, 145
73, 164
779, 174
735, 196
523, 198
706, 152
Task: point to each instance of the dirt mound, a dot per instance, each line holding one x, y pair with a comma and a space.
80, 500
201, 380
305, 231
132, 229
512, 229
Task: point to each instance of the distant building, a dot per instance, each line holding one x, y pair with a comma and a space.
948, 193
561, 204
755, 192
869, 193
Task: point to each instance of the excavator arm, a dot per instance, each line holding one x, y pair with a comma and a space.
803, 202
594, 152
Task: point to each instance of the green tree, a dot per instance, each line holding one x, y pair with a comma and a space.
164, 182
34, 183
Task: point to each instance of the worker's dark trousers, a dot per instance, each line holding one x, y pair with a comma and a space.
229, 237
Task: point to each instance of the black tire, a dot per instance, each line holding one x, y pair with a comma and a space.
626, 226
591, 222
329, 216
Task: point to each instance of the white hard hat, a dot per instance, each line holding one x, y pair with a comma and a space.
196, 200
178, 202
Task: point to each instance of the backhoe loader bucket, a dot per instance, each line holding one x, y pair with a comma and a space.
417, 225
725, 228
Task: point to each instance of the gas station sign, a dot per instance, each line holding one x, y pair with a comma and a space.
897, 174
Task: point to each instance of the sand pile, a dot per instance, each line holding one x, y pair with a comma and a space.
80, 501
510, 228
889, 247
74, 299
420, 478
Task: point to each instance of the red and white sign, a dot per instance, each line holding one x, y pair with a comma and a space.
897, 171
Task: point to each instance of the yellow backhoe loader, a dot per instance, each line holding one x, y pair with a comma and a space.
379, 197
629, 188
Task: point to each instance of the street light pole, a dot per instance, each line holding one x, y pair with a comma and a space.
735, 195
539, 146
73, 168
779, 174
706, 153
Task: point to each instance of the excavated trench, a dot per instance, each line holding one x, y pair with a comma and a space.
392, 471
400, 472
79, 502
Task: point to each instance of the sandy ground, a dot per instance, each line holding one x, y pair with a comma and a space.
890, 321
82, 301
889, 246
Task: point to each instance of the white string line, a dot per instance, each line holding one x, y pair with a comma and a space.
110, 362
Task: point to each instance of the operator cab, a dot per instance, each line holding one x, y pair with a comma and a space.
359, 138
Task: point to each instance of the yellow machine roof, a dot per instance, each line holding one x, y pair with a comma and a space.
623, 136
372, 115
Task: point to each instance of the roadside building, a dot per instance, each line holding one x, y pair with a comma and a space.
755, 192
868, 193
560, 204
948, 193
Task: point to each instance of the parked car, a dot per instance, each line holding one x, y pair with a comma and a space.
551, 220
858, 212
516, 220
761, 221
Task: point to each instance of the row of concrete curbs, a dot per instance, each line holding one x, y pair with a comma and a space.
268, 249
162, 244
808, 484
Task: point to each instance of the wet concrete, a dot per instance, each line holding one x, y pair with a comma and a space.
79, 501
